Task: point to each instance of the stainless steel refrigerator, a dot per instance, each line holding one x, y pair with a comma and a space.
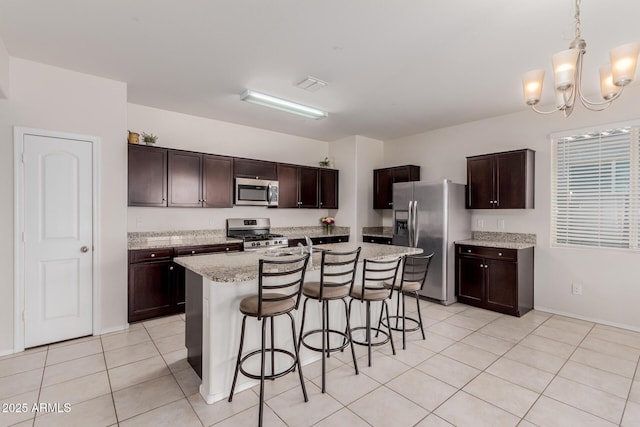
432, 216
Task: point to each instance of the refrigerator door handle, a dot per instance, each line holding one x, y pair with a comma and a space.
416, 228
410, 223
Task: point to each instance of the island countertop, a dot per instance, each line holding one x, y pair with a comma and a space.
243, 266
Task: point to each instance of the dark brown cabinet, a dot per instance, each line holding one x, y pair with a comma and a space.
199, 180
383, 180
156, 284
299, 186
378, 239
494, 278
147, 172
329, 188
501, 180
258, 169
324, 240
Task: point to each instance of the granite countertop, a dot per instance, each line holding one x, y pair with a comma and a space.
377, 231
500, 240
315, 231
177, 241
243, 266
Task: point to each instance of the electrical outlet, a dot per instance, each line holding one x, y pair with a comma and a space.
480, 224
576, 289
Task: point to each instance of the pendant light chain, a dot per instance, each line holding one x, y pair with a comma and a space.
577, 17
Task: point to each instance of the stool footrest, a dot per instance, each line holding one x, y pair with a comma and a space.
411, 319
365, 343
268, 376
328, 349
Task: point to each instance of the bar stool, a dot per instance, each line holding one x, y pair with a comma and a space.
279, 290
414, 274
337, 274
374, 274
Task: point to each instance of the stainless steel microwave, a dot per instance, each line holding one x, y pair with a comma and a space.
256, 192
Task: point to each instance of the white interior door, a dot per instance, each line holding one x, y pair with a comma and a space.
58, 239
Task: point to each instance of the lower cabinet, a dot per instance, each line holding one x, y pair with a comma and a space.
156, 283
320, 240
378, 239
494, 278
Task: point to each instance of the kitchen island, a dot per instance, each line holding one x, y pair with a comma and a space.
215, 285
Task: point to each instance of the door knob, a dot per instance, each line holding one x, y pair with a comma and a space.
84, 249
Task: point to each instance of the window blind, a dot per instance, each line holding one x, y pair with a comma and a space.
595, 189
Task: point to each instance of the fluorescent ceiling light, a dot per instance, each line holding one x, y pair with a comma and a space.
282, 105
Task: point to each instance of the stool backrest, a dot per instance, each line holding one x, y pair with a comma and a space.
376, 272
279, 280
415, 269
338, 269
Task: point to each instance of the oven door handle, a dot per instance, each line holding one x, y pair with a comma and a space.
269, 193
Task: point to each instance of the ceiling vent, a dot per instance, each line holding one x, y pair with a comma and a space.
311, 84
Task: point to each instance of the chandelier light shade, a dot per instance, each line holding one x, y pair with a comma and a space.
567, 74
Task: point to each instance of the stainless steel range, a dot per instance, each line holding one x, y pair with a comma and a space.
256, 233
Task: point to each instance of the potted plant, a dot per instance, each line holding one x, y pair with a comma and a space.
149, 138
325, 163
328, 222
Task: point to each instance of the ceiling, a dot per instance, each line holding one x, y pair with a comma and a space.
394, 68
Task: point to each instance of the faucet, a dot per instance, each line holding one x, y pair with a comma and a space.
308, 248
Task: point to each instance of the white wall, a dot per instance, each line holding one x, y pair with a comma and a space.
51, 98
4, 71
182, 131
611, 291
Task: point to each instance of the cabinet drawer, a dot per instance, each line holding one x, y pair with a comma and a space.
144, 255
485, 252
197, 250
377, 239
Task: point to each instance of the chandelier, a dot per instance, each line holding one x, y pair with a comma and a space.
567, 73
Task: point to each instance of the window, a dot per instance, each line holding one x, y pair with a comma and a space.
595, 191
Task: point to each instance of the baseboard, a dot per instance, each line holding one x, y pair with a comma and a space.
588, 319
6, 352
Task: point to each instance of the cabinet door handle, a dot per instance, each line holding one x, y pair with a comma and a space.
171, 268
469, 250
153, 255
481, 265
499, 253
226, 249
486, 266
193, 252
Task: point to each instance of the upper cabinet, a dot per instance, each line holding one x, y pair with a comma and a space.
258, 169
147, 176
199, 180
298, 186
383, 180
329, 188
501, 180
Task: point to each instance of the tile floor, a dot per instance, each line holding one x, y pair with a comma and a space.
476, 368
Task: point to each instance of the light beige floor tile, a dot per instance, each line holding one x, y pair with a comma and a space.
611, 348
345, 386
568, 337
487, 343
448, 370
634, 395
314, 370
130, 354
412, 356
76, 368
383, 368
384, 407
249, 418
160, 321
631, 416
433, 420
26, 352
547, 345
343, 417
422, 389
472, 356
211, 414
98, 412
521, 374
586, 398
517, 324
137, 372
435, 342
596, 378
525, 423
143, 397
569, 324
170, 343
449, 331
294, 411
480, 314
73, 351
73, 341
280, 385
605, 362
28, 423
132, 327
14, 415
551, 413
177, 360
464, 410
173, 414
125, 339
188, 381
535, 316
166, 329
24, 363
537, 359
76, 390
503, 394
434, 312
20, 383
616, 335
466, 322
504, 332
